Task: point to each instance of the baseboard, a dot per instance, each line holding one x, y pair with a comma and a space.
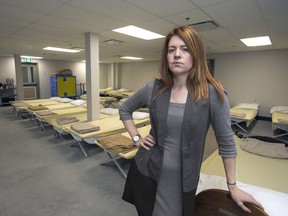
263, 118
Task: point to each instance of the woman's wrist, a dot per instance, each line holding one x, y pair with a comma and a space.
231, 186
231, 183
137, 143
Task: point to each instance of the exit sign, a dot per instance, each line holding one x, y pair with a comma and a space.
27, 59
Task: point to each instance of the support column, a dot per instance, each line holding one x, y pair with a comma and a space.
111, 75
19, 77
116, 76
92, 75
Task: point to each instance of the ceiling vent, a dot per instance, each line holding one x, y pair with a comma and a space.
113, 42
204, 26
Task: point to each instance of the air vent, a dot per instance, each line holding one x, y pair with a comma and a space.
113, 42
205, 26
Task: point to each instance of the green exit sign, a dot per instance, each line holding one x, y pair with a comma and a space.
27, 59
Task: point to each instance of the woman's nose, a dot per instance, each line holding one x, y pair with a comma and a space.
177, 53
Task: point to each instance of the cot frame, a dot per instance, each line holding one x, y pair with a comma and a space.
237, 123
277, 125
114, 157
91, 139
249, 121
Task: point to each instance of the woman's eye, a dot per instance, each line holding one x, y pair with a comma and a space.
185, 49
170, 50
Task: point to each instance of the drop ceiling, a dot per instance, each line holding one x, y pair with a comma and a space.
27, 26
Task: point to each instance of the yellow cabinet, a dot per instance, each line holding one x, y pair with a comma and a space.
63, 86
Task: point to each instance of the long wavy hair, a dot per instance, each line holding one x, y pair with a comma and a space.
199, 76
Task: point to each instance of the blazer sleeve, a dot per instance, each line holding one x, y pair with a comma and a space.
140, 99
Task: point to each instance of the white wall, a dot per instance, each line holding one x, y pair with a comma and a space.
260, 77
134, 75
7, 69
47, 68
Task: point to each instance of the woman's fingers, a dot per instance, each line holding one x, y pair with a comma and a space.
147, 142
244, 208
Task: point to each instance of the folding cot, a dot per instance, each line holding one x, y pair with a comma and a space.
280, 119
20, 107
127, 94
33, 109
107, 126
116, 150
105, 101
108, 101
117, 92
264, 177
243, 112
44, 116
59, 123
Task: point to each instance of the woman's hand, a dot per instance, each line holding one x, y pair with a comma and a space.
240, 197
146, 142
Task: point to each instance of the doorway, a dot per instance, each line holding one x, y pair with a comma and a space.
30, 80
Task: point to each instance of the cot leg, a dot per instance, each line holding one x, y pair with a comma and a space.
234, 122
32, 118
280, 135
42, 126
58, 135
62, 137
82, 148
116, 163
241, 128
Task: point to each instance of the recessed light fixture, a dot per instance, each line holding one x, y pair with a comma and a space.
131, 57
138, 32
256, 41
32, 57
58, 49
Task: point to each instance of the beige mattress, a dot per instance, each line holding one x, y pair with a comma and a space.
107, 126
247, 115
128, 94
44, 102
57, 106
279, 118
82, 117
60, 112
143, 131
103, 100
31, 101
252, 169
107, 100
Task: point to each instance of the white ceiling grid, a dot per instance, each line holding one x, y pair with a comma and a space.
26, 26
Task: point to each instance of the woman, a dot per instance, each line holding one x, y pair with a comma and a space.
163, 178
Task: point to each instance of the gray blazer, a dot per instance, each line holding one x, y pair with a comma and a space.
197, 118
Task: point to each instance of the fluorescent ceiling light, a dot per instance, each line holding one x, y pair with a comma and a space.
138, 32
257, 41
62, 49
131, 58
32, 57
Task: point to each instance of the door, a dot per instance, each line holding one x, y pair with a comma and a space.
30, 81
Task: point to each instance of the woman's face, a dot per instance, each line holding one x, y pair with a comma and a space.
179, 58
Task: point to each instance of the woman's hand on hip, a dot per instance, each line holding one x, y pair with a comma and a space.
146, 142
